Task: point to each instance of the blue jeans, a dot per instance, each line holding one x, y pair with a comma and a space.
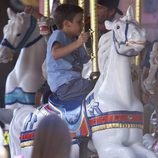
75, 88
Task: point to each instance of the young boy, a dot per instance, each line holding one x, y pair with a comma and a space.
66, 54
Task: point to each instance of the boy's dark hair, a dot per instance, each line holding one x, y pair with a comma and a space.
65, 12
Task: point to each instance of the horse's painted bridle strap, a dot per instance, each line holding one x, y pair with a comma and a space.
116, 120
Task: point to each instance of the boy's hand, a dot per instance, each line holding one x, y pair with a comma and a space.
83, 38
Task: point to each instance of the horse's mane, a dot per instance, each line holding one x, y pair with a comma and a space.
104, 48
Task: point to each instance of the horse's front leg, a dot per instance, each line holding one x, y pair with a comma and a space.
74, 151
109, 143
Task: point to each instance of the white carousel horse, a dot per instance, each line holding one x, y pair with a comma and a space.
21, 35
149, 82
149, 86
111, 114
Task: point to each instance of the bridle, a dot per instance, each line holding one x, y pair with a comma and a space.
27, 35
126, 41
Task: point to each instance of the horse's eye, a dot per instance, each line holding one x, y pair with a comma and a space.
18, 34
118, 27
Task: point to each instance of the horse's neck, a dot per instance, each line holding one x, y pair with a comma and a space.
117, 83
121, 70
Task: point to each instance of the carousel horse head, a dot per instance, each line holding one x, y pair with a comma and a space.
129, 38
16, 34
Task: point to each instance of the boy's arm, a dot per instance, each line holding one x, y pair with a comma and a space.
59, 51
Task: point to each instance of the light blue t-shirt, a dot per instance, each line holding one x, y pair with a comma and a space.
65, 69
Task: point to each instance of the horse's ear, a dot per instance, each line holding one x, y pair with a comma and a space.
130, 13
10, 13
20, 17
108, 25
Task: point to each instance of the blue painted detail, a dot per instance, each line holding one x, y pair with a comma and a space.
27, 121
19, 96
93, 106
32, 119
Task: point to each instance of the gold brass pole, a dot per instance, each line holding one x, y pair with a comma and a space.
63, 1
34, 3
81, 3
94, 28
138, 6
46, 8
137, 59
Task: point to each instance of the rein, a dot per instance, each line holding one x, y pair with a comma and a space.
27, 35
126, 41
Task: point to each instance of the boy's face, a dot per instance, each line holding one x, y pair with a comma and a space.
76, 25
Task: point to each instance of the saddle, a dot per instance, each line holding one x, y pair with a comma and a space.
72, 112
